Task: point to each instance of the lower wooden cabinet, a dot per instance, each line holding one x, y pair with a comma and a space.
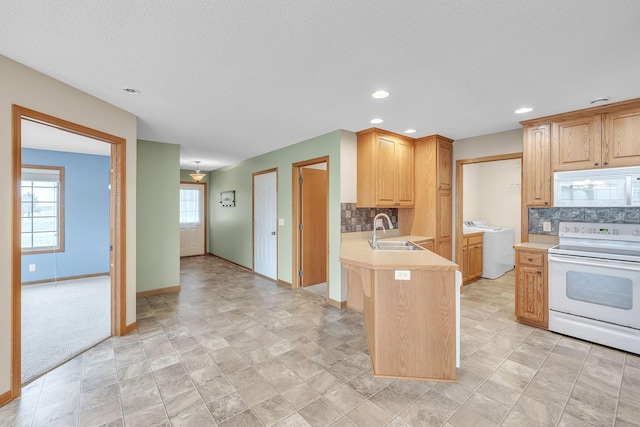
471, 257
425, 244
532, 299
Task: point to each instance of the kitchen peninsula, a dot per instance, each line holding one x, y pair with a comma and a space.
410, 303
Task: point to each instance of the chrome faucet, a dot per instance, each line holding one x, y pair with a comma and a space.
374, 238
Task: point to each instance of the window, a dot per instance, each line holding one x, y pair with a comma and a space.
42, 209
189, 206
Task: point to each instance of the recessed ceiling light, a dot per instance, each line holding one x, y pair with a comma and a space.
523, 110
131, 90
599, 100
376, 121
410, 131
380, 94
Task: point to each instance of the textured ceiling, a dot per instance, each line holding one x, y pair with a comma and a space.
228, 80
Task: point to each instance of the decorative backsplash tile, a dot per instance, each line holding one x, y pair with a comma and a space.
353, 219
556, 215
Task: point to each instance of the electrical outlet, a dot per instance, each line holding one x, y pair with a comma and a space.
546, 226
403, 274
379, 223
32, 267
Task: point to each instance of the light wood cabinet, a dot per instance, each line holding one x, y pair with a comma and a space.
606, 139
531, 305
432, 211
621, 145
536, 171
385, 169
471, 257
577, 143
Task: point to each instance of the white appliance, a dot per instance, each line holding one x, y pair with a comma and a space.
597, 187
594, 284
497, 248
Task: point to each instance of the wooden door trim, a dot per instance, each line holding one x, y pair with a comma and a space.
295, 219
253, 219
204, 190
459, 195
117, 203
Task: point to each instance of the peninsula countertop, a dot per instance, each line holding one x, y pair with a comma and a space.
358, 252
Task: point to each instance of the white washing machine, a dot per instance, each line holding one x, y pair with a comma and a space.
498, 255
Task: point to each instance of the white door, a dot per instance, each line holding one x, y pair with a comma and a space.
192, 220
265, 221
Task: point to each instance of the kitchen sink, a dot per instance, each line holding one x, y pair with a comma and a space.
395, 245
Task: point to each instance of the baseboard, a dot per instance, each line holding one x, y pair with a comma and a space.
130, 328
231, 262
60, 279
285, 284
338, 304
5, 398
170, 289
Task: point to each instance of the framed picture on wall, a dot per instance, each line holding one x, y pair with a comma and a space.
228, 198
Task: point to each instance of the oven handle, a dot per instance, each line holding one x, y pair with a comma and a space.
592, 262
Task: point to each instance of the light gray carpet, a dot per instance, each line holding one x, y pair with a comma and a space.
61, 320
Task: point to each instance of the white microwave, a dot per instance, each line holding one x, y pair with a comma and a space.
612, 187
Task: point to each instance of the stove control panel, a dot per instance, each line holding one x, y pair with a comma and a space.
590, 230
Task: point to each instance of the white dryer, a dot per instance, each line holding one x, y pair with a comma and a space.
498, 255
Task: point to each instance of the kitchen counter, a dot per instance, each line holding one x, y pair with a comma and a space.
359, 252
409, 300
530, 246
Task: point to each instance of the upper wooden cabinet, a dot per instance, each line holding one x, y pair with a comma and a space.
536, 179
621, 145
577, 143
385, 169
599, 140
445, 162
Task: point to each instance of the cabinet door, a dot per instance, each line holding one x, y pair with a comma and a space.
536, 179
386, 173
404, 173
444, 168
621, 146
443, 224
466, 270
475, 261
577, 143
531, 296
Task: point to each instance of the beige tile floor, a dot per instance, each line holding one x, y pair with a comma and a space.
233, 349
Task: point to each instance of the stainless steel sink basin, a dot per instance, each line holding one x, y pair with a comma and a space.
395, 245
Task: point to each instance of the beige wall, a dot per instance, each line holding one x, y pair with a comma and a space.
494, 144
492, 193
30, 89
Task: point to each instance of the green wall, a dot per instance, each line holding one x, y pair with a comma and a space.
158, 216
230, 229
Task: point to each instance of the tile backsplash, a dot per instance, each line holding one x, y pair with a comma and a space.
556, 215
354, 219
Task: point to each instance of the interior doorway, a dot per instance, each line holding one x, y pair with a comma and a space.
311, 223
265, 223
193, 218
115, 242
512, 187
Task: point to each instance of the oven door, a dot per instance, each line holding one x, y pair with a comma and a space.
600, 289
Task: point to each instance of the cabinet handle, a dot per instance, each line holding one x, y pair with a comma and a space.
605, 163
539, 272
529, 259
596, 164
546, 203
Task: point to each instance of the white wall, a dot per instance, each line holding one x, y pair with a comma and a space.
28, 88
494, 144
492, 193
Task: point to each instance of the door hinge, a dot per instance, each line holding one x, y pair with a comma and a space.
300, 273
300, 180
110, 248
300, 227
